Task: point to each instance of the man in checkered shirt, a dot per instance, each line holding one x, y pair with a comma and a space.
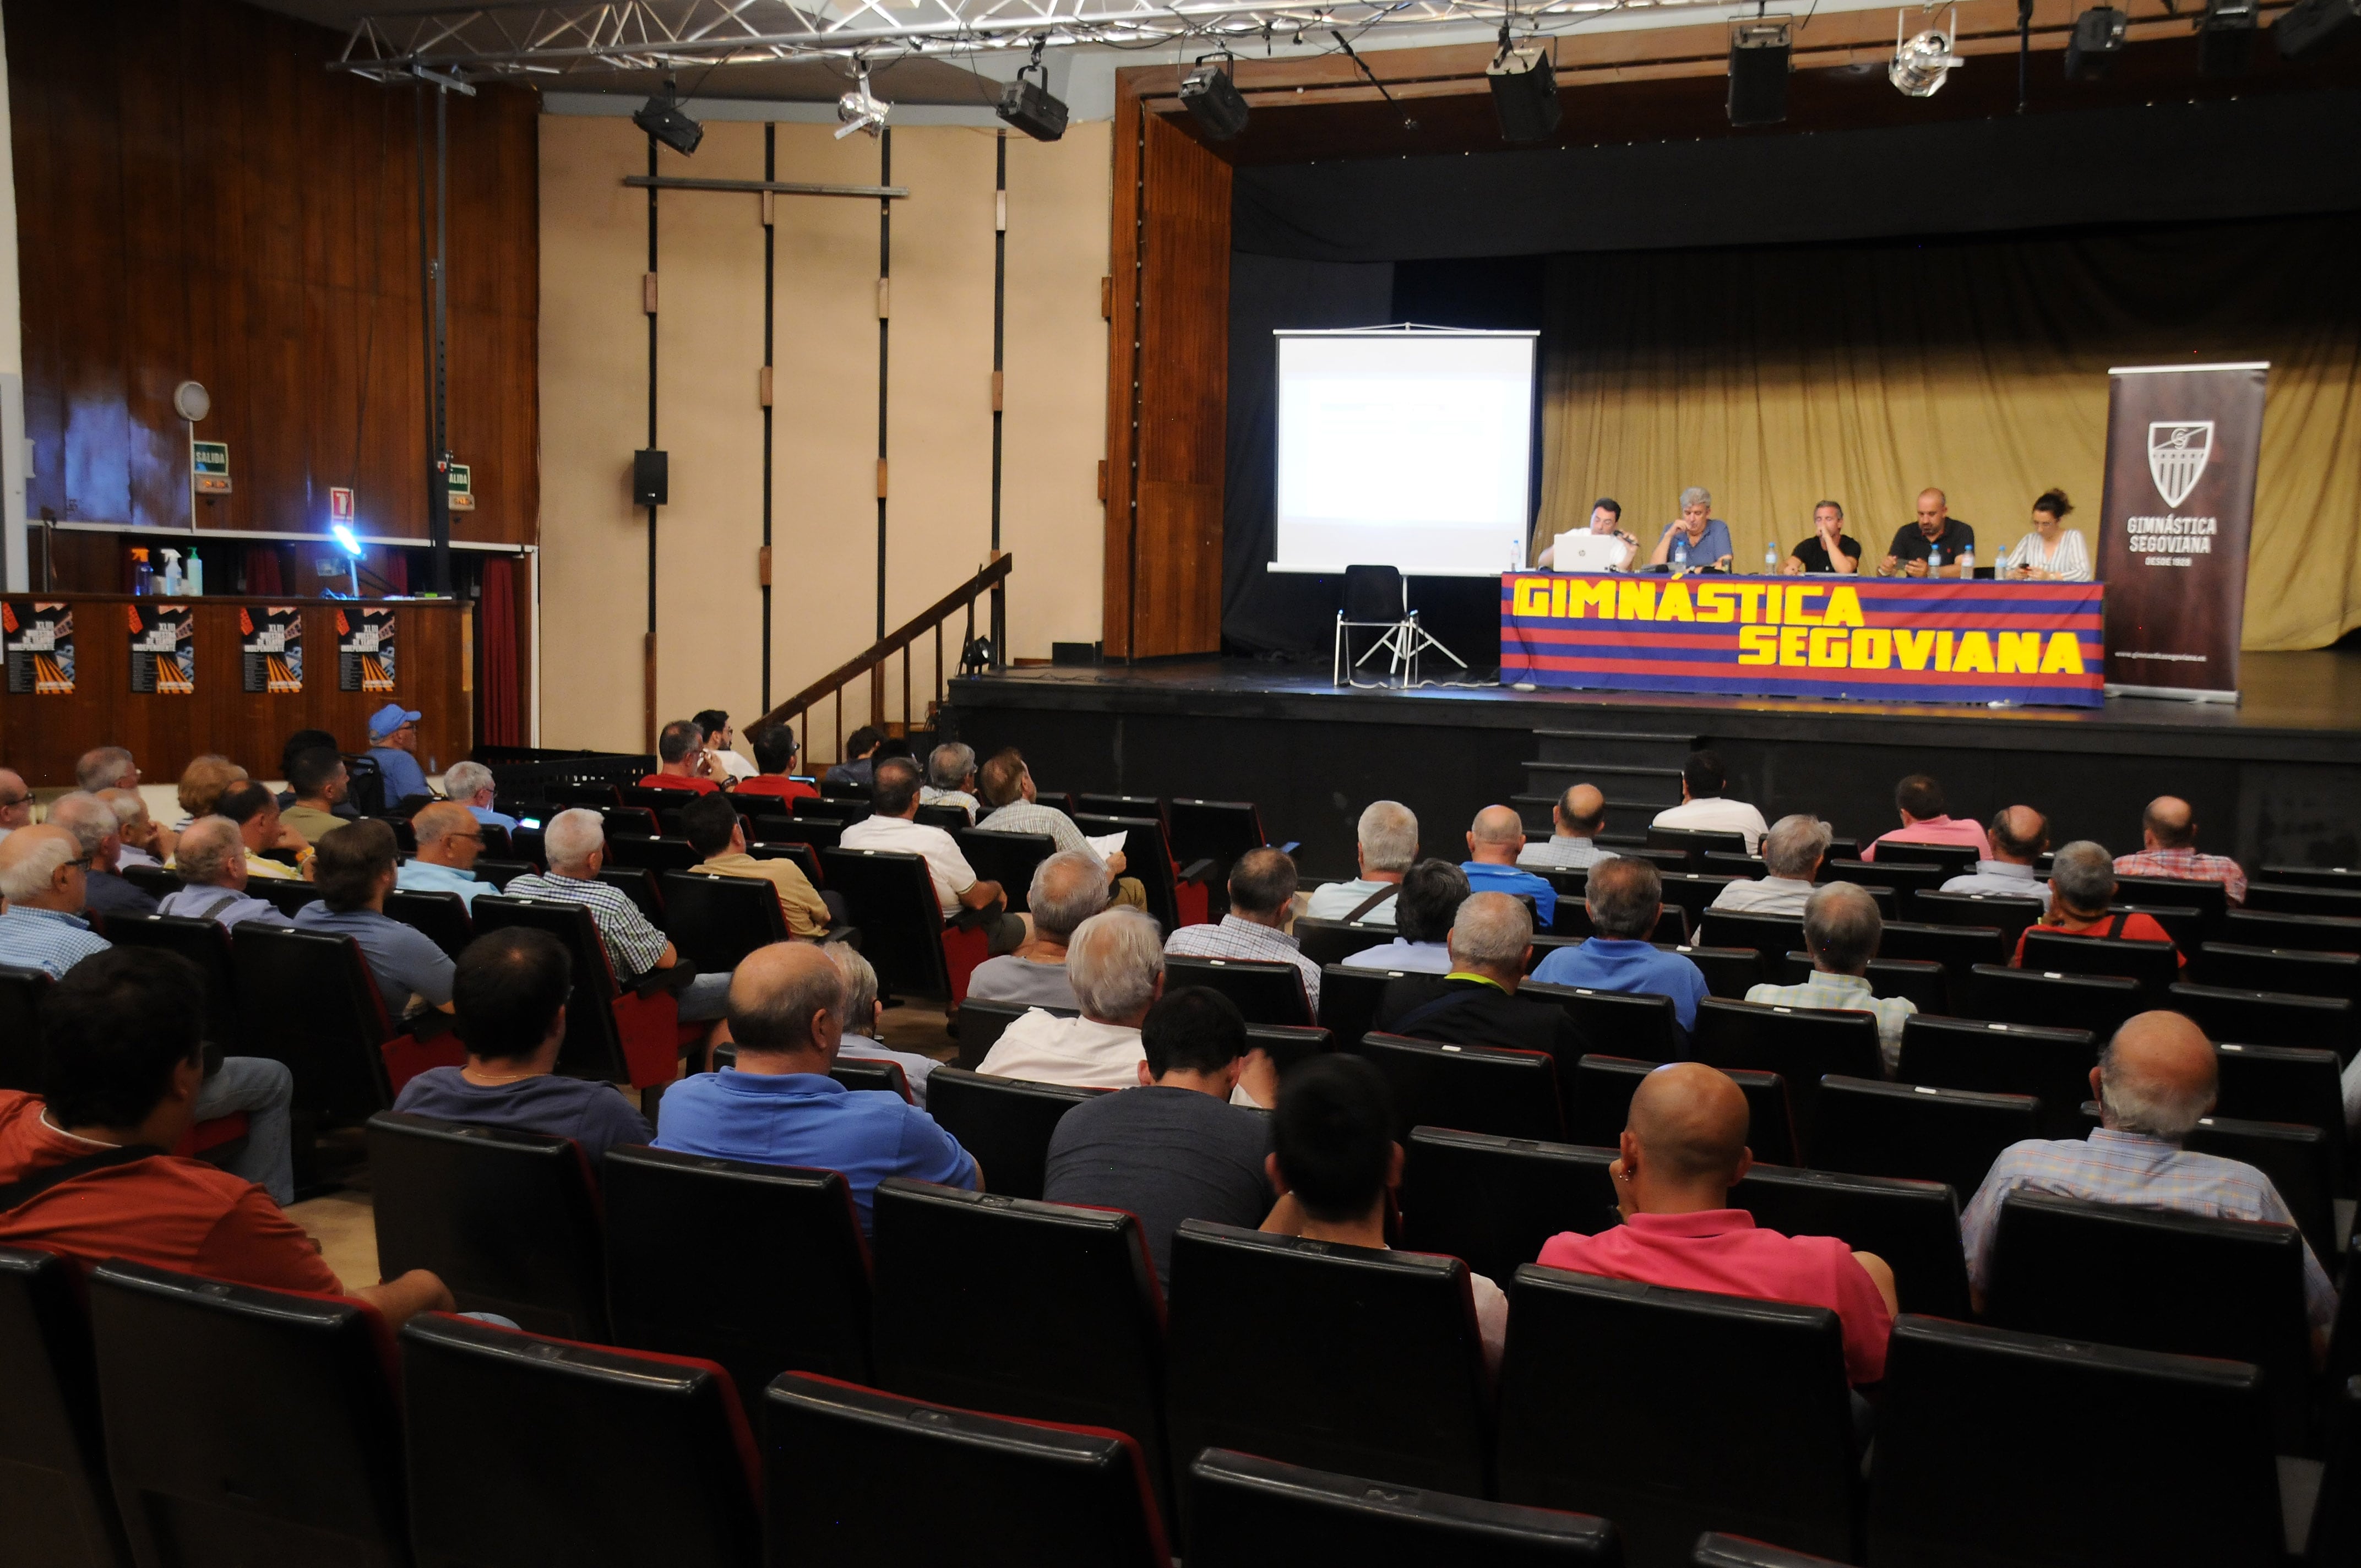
2155, 1081
2169, 848
1013, 805
1262, 891
576, 843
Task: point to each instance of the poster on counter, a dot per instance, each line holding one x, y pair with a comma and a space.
271, 648
39, 638
163, 649
365, 649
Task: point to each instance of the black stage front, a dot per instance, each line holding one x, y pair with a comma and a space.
2276, 779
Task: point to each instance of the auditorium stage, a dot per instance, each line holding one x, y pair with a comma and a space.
2275, 778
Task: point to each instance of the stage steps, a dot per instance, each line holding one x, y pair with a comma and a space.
1615, 748
1639, 771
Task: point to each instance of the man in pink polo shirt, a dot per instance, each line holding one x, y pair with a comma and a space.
1684, 1148
1926, 819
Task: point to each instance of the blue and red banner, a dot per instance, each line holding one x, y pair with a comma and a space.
1871, 639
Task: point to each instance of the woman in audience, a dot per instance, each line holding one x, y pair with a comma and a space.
202, 783
2052, 552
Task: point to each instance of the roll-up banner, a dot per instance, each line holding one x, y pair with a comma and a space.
2182, 443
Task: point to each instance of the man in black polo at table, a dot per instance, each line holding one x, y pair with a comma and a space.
1914, 544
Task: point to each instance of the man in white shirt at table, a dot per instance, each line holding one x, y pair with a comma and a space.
893, 824
1791, 852
1705, 809
1386, 847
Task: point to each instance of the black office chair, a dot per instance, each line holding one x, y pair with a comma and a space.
1913, 1225
1474, 1089
2327, 1022
1601, 1105
1870, 1128
1008, 859
2053, 1066
1266, 992
1005, 1122
60, 1502
441, 917
1491, 1201
2300, 1161
2287, 969
2100, 1003
1802, 1044
717, 920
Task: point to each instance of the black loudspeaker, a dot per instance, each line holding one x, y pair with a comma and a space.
650, 478
2098, 39
1215, 101
1029, 107
1759, 54
1524, 93
2312, 24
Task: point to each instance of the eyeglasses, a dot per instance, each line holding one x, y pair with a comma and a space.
83, 863
14, 802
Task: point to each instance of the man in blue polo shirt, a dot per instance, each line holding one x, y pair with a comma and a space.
1495, 840
393, 746
778, 1106
1624, 897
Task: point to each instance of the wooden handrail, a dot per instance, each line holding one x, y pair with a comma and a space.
986, 580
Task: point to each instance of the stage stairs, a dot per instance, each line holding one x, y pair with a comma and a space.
1638, 771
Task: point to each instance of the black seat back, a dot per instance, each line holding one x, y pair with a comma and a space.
759, 1269
1696, 842
982, 1023
1629, 1024
1802, 1044
442, 918
204, 943
54, 1491
2289, 969
892, 899
2287, 1084
857, 1072
1956, 860
1349, 999
509, 1219
1728, 971
499, 874
155, 882
1491, 1201
815, 832
1005, 1122
1008, 859
593, 1048
309, 1001
283, 894
2155, 965
1266, 992
634, 1458
1871, 1128
1146, 856
1903, 878
637, 883
717, 920
1286, 1045
1617, 1434
1104, 804
1766, 934
1216, 830
2051, 1065
949, 818
21, 991
1364, 1362
2300, 1161
1475, 1089
2211, 899
2269, 928
2326, 1022
246, 1425
1326, 942
1913, 1225
2010, 915
2053, 999
1716, 1549
1601, 1105
840, 1463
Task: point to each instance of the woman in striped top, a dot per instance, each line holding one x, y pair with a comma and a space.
2051, 553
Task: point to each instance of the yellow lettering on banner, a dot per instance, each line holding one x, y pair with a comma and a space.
1774, 602
1975, 654
1597, 593
1713, 603
1757, 645
2063, 656
1915, 649
1872, 649
1796, 614
1675, 605
1557, 597
1791, 643
1532, 596
1844, 608
1943, 652
1750, 601
1636, 600
2019, 652
1829, 650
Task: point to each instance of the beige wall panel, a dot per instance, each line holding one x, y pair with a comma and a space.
1053, 430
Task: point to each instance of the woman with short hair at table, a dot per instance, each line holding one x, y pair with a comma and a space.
2052, 552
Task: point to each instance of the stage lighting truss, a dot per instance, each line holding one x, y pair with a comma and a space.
1922, 64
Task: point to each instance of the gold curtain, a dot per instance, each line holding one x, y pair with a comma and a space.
1780, 377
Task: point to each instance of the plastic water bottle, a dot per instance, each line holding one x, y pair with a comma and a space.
1967, 563
1934, 560
1770, 560
1681, 555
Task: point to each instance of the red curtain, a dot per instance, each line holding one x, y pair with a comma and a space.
397, 572
262, 571
502, 693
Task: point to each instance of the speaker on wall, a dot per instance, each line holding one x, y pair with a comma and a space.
1759, 52
651, 480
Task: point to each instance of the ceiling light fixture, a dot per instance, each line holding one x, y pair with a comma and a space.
1213, 99
1028, 105
661, 117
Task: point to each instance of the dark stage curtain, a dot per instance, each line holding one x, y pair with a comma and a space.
503, 720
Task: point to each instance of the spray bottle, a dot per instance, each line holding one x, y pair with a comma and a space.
143, 581
171, 573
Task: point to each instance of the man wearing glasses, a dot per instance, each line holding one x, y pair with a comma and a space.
449, 839
15, 803
43, 876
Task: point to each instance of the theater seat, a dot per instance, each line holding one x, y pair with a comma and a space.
877, 1077
2054, 1000
1265, 993
2155, 965
441, 917
524, 1448
980, 1025
2333, 1531
1603, 1087
1766, 934
309, 1001
717, 920
2288, 969
1870, 1128
2289, 1083
21, 991
1008, 859
1710, 1412
1715, 1549
248, 1426
632, 1035
1477, 1089
1913, 1225
1248, 1512
1338, 1358
55, 1498
509, 1219
2271, 1017
1349, 999
2313, 933
1491, 1201
1802, 1044
2053, 1066
204, 943
891, 898
2300, 1162
1005, 1122
758, 1267
1728, 971
856, 1478
1632, 1025
1178, 895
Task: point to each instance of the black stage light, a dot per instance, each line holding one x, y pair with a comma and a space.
660, 118
1029, 107
2098, 39
2225, 37
651, 478
1524, 92
2308, 26
1759, 54
1214, 100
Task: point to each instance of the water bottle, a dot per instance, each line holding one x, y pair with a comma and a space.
1967, 563
1681, 555
1770, 560
1934, 560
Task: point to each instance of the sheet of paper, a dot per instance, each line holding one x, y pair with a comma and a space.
1109, 844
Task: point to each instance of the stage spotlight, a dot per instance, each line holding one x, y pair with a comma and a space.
2310, 26
1759, 54
661, 117
1921, 66
1029, 107
2225, 37
1524, 92
861, 110
2098, 39
1214, 100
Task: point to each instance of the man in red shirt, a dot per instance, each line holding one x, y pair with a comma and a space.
681, 761
1927, 819
1684, 1148
2081, 885
775, 755
83, 1171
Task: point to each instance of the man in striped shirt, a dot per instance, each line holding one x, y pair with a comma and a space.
42, 879
576, 843
1262, 891
2169, 848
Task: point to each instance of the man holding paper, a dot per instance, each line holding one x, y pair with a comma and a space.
1006, 786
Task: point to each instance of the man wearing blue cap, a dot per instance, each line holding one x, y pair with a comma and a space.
393, 742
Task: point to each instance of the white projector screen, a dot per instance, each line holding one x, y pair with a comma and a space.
1407, 449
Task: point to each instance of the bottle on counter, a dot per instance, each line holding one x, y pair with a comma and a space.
143, 580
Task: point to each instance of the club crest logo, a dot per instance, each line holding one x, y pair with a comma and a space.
2176, 453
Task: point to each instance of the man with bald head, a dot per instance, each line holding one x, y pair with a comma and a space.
1475, 1001
1386, 844
1932, 545
1684, 1147
210, 862
779, 1106
1576, 822
449, 839
2169, 848
2155, 1081
1262, 906
2020, 836
1495, 840
42, 881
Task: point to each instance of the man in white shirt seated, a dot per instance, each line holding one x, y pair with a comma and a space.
1431, 892
726, 766
1385, 845
1576, 820
1262, 895
1117, 965
951, 778
1791, 852
864, 1021
893, 824
1705, 809
449, 839
1068, 889
2020, 835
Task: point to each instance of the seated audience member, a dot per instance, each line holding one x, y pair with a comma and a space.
2081, 886
1926, 819
964, 899
1333, 1159
42, 881
2169, 848
682, 760
449, 839
1475, 1001
15, 802
1116, 962
778, 1106
98, 836
951, 778
774, 758
1431, 892
141, 838
393, 747
1172, 1147
864, 1021
1792, 853
320, 783
123, 1080
104, 768
1495, 840
211, 864
860, 760
1262, 902
1842, 930
1006, 786
295, 746
2020, 836
713, 828
255, 811
575, 843
727, 767
507, 998
202, 783
1625, 898
2154, 1082
354, 869
1576, 822
470, 784
1705, 808
1068, 889
1682, 1148
1386, 846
